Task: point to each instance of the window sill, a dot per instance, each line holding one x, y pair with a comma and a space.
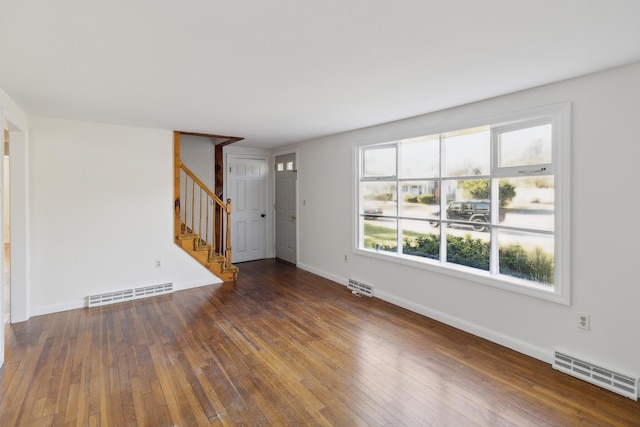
471, 274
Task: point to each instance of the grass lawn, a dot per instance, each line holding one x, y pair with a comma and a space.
384, 236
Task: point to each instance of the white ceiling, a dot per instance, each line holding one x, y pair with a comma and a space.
283, 71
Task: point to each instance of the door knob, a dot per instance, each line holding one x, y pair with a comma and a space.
263, 215
293, 217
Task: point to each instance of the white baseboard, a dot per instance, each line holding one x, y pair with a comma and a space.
324, 274
72, 305
477, 330
57, 308
214, 280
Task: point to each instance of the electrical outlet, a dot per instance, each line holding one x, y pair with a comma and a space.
584, 321
158, 263
345, 258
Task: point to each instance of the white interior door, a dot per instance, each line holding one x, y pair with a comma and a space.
286, 175
247, 188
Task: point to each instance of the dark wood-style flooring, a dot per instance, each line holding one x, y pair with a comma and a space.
280, 347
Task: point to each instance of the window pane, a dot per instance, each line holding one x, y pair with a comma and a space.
420, 199
280, 167
381, 234
466, 153
468, 202
530, 146
380, 196
470, 250
379, 162
420, 157
467, 189
420, 238
528, 202
528, 256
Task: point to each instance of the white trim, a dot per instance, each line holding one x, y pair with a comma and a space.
562, 165
19, 213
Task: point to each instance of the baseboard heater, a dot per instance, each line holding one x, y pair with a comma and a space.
623, 384
130, 294
360, 288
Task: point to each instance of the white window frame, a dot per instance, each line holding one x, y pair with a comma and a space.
559, 117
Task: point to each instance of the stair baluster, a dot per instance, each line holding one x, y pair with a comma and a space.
204, 241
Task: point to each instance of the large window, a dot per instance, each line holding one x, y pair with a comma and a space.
488, 202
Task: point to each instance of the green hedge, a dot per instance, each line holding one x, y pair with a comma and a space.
426, 199
427, 246
536, 265
468, 251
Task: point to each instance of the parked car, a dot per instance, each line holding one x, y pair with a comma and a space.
476, 211
372, 212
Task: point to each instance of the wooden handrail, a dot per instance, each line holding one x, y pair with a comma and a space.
194, 200
197, 180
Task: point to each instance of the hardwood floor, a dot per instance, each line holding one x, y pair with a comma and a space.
280, 347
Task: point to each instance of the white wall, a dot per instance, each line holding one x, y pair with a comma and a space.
101, 206
13, 116
198, 153
604, 249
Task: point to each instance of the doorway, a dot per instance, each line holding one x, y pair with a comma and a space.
247, 189
17, 262
286, 216
6, 276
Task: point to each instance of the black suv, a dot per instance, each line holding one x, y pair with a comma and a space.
476, 211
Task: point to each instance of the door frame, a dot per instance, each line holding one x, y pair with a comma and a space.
269, 241
275, 154
19, 190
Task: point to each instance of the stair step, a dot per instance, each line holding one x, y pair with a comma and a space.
216, 258
187, 236
230, 269
225, 273
205, 255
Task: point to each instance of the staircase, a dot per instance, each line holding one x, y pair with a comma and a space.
202, 223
